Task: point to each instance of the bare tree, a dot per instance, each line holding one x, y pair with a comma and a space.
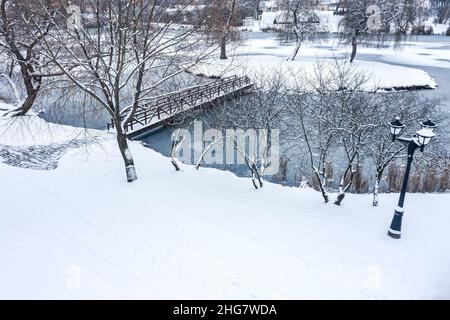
335, 114
123, 60
442, 10
307, 122
353, 120
23, 24
253, 118
300, 22
221, 16
403, 15
354, 24
250, 6
412, 108
373, 20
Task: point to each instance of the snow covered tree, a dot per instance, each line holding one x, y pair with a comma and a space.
335, 118
300, 22
23, 24
355, 25
375, 20
352, 119
221, 16
441, 9
249, 122
412, 108
402, 15
307, 109
251, 6
123, 59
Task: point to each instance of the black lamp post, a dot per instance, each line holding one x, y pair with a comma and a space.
418, 141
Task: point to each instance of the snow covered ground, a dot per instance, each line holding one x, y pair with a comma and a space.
81, 231
263, 55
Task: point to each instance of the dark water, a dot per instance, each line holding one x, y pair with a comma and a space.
297, 163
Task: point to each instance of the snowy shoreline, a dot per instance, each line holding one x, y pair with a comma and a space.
84, 233
257, 57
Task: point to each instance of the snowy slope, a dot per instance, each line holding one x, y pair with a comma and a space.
32, 130
80, 231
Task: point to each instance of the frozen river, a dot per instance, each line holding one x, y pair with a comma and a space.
430, 54
160, 140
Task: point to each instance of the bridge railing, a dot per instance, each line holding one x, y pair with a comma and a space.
170, 104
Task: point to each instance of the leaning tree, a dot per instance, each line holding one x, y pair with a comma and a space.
376, 20
23, 25
300, 22
220, 19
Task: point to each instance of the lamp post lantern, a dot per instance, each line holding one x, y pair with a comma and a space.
418, 141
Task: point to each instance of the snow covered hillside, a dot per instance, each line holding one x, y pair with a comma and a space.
80, 231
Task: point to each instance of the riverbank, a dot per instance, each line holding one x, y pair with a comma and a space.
80, 231
266, 56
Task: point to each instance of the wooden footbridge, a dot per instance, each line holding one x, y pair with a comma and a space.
161, 111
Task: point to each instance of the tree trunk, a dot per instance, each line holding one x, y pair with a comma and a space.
339, 198
354, 47
295, 52
342, 189
321, 185
225, 34
122, 142
257, 10
256, 177
175, 165
375, 194
223, 49
26, 105
174, 160
11, 69
32, 91
378, 177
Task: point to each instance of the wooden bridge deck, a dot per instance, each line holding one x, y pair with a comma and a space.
163, 109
